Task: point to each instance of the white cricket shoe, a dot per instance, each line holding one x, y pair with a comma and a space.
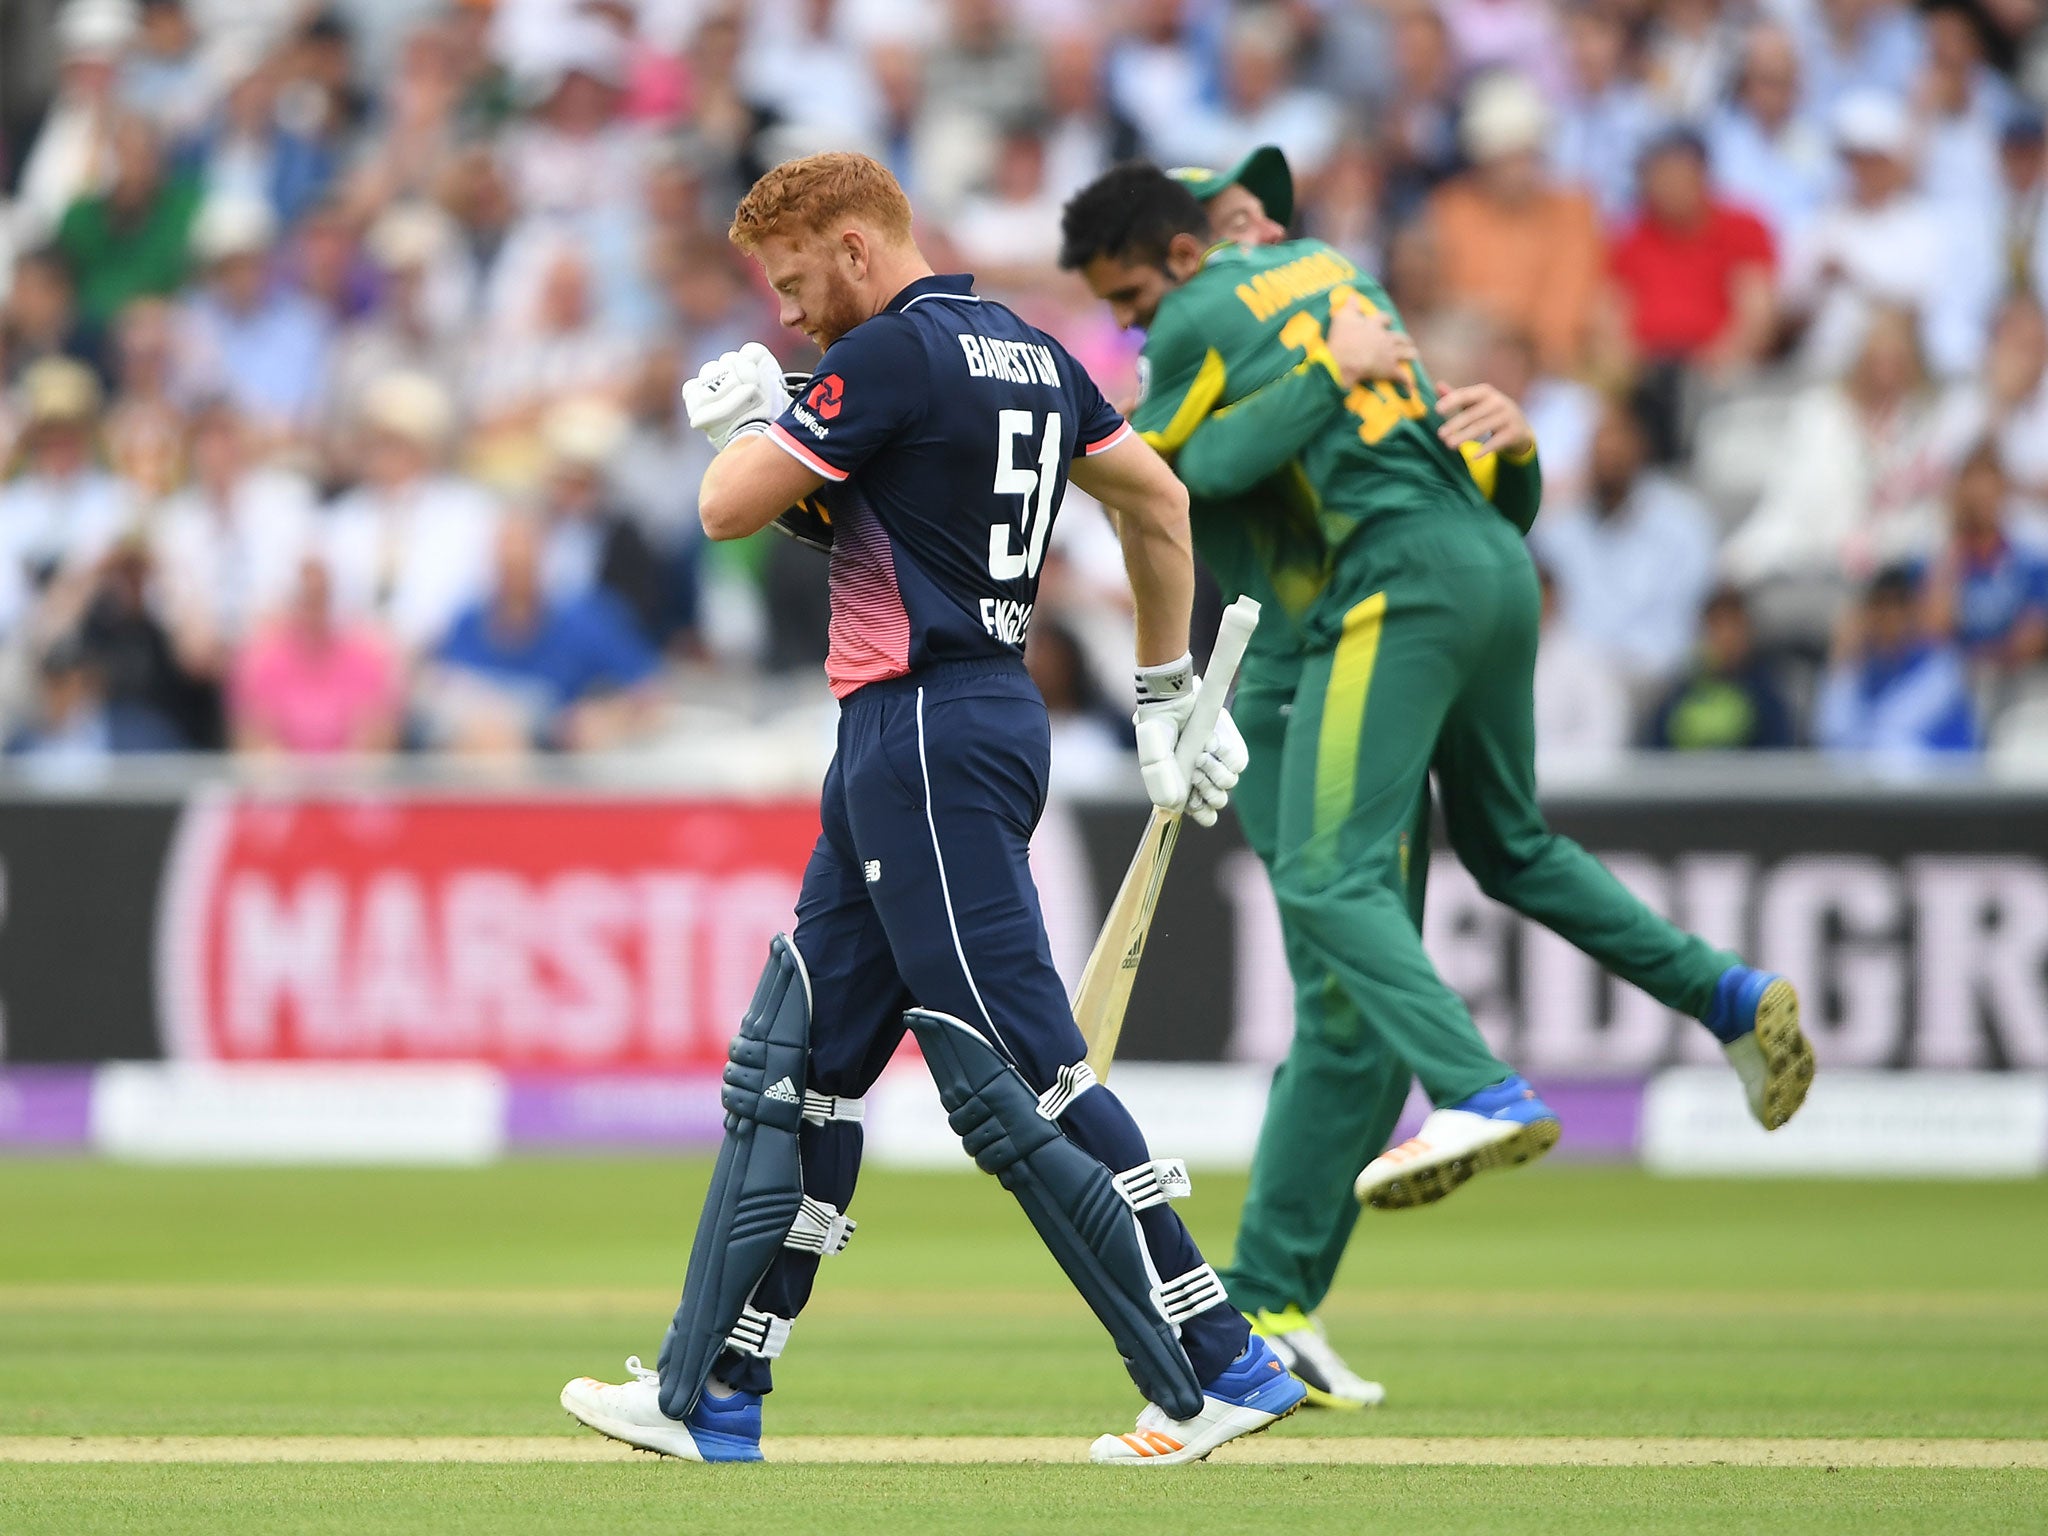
1305, 1349
1497, 1127
720, 1428
1253, 1393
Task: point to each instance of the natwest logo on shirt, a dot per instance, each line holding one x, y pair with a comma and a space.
825, 396
546, 934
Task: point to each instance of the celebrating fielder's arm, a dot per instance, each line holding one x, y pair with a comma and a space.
1365, 516
939, 432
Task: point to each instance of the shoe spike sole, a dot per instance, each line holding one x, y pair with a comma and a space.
1233, 1440
631, 1445
1426, 1186
1788, 1057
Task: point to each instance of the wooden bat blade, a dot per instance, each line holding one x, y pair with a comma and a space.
1112, 970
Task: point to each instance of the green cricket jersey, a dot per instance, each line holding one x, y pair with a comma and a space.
1288, 464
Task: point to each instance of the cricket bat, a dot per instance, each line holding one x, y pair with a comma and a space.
1112, 970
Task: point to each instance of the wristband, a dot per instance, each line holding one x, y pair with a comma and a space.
1169, 680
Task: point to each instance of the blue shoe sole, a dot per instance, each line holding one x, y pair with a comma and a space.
713, 1446
1426, 1186
708, 1445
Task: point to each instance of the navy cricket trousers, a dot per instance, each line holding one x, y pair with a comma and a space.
919, 894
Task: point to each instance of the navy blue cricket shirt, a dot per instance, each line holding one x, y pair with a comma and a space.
945, 425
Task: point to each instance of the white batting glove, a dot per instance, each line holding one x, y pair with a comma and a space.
1166, 698
739, 392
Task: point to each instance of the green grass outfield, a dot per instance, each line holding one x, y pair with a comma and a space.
1865, 1333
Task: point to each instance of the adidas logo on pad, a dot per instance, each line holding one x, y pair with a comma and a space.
784, 1090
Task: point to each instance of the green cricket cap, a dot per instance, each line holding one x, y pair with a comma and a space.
1263, 173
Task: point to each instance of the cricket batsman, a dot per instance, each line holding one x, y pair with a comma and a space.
937, 436
1388, 526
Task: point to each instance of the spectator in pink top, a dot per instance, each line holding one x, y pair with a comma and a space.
304, 687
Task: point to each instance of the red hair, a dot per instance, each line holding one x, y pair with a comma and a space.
803, 197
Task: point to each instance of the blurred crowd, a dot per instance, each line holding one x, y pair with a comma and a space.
340, 342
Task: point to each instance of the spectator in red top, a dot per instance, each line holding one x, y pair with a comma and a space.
1693, 278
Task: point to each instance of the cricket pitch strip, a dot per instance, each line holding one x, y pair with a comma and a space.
1267, 1450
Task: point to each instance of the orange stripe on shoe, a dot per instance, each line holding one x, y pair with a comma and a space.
1149, 1443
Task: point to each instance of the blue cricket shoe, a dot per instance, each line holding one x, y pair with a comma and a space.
1755, 1016
1497, 1127
1252, 1393
726, 1428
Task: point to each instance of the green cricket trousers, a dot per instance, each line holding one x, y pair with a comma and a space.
1423, 655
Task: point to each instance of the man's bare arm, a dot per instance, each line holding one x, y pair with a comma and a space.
1150, 510
750, 484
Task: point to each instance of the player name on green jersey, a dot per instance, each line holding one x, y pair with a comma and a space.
1265, 294
1240, 347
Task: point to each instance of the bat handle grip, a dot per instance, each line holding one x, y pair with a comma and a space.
1232, 635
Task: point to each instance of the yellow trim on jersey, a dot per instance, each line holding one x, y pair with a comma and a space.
1484, 466
1194, 407
1351, 669
1320, 356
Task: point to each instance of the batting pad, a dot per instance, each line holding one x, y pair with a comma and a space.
1081, 1215
757, 1190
